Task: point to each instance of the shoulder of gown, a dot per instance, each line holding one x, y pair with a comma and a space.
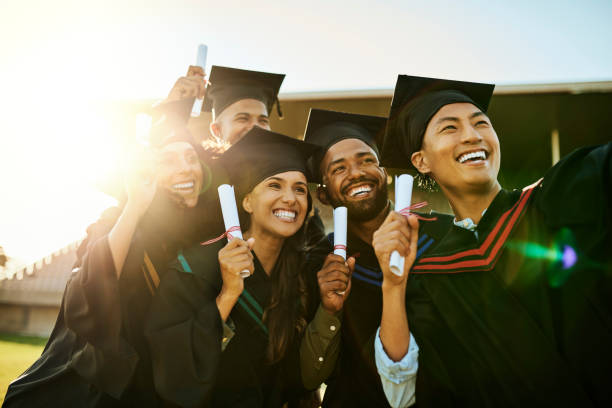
184, 330
576, 193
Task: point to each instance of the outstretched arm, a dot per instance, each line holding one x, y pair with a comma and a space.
396, 352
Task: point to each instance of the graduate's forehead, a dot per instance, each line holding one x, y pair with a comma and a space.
456, 111
289, 177
346, 149
175, 148
248, 106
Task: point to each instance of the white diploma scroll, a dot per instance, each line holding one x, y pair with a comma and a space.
200, 62
340, 231
340, 234
230, 215
403, 196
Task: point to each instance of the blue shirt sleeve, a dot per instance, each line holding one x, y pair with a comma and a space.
398, 378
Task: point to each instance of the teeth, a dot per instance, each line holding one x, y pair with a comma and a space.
180, 186
361, 189
472, 155
290, 215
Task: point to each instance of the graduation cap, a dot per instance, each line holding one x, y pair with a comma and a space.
326, 128
261, 154
415, 101
229, 85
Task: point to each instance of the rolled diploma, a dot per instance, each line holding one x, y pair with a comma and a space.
340, 231
230, 214
403, 196
340, 234
200, 62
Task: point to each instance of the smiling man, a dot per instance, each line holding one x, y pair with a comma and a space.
512, 307
238, 99
350, 175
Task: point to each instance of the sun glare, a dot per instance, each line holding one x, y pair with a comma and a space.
54, 158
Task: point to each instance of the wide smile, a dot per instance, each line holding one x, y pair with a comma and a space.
359, 191
473, 157
285, 215
184, 187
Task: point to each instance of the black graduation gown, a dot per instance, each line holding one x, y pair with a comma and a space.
355, 381
501, 318
97, 354
52, 380
185, 334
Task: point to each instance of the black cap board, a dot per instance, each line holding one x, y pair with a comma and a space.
261, 154
229, 85
415, 101
326, 128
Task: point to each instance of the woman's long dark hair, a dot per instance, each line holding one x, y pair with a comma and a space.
285, 316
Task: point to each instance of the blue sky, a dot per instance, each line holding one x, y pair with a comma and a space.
135, 49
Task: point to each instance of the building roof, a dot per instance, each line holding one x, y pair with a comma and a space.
40, 283
561, 87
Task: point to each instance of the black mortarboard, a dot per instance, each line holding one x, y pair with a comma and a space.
415, 101
229, 85
326, 128
261, 154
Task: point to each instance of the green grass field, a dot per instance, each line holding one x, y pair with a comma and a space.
17, 353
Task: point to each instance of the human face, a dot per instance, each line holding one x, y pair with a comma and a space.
179, 171
460, 150
237, 119
278, 205
353, 178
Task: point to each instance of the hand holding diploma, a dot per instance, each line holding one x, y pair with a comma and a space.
395, 242
334, 280
193, 85
335, 276
230, 217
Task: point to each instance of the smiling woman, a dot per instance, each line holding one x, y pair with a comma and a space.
180, 172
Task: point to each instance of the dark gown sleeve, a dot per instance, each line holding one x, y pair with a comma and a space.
575, 200
184, 330
576, 193
315, 230
92, 297
92, 310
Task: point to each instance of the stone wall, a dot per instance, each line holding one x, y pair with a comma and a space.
27, 319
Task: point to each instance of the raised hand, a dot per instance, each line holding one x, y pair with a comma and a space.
140, 183
335, 282
397, 233
234, 257
193, 85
